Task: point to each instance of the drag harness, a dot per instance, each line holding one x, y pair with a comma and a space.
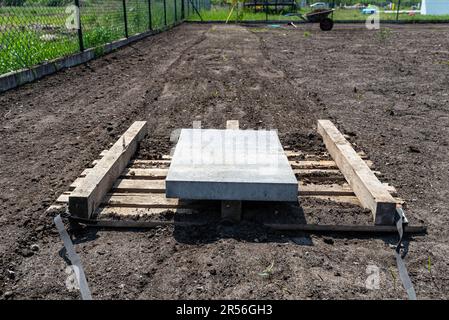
401, 220
74, 259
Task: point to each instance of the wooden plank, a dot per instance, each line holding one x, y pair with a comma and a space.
324, 190
86, 198
369, 190
149, 163
104, 212
147, 174
139, 173
142, 186
294, 154
301, 167
319, 164
63, 198
345, 228
139, 184
232, 125
151, 200
148, 200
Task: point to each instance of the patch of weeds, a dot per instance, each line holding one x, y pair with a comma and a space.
307, 34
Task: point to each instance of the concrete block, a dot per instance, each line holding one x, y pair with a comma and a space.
211, 164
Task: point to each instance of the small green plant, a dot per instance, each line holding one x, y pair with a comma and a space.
307, 34
268, 271
393, 275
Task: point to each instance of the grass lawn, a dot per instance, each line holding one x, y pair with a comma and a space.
32, 35
221, 14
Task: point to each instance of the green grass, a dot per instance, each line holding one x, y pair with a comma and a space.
221, 14
32, 35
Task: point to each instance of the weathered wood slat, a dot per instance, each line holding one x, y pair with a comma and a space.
149, 163
370, 191
232, 125
126, 211
85, 199
306, 164
345, 228
196, 124
145, 186
301, 164
319, 164
136, 180
293, 154
151, 200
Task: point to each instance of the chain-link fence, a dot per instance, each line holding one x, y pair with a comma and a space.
344, 10
35, 31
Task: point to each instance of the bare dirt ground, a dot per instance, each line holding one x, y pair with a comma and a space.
387, 90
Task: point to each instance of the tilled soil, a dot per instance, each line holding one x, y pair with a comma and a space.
387, 90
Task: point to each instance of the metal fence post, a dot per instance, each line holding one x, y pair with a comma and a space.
266, 10
125, 17
176, 11
80, 30
397, 11
182, 10
150, 18
165, 12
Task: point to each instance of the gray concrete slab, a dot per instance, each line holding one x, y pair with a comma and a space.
212, 164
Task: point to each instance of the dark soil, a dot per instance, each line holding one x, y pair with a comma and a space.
388, 93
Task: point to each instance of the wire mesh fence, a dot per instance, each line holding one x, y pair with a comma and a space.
35, 31
344, 10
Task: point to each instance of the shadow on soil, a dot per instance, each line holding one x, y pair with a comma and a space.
250, 229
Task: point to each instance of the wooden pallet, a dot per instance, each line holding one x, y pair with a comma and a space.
139, 188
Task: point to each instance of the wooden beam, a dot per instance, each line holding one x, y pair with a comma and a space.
105, 212
86, 198
158, 186
344, 228
149, 163
232, 125
196, 125
368, 189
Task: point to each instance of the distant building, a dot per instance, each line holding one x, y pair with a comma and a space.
435, 7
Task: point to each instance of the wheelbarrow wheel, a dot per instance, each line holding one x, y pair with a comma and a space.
326, 24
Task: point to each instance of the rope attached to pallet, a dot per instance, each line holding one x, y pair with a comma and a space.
400, 254
74, 259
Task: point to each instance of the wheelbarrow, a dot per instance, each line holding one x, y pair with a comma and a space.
320, 16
